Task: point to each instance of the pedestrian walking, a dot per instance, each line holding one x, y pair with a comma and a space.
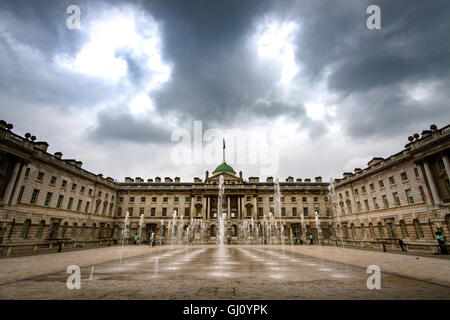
441, 242
401, 244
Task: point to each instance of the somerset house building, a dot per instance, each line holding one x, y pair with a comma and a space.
47, 199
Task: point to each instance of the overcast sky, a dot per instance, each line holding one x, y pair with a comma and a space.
307, 85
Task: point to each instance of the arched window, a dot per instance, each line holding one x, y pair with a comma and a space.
83, 227
391, 230
213, 230
25, 229
331, 230
64, 229
233, 230
372, 231
40, 229
363, 230
404, 229
352, 226
94, 226
74, 230
418, 227
380, 229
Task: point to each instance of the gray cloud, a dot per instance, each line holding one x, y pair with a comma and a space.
216, 78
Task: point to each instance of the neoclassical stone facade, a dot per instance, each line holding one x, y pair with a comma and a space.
45, 197
405, 196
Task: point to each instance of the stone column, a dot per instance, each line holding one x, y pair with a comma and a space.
430, 179
11, 183
204, 208
446, 164
255, 209
239, 208
208, 213
192, 206
228, 208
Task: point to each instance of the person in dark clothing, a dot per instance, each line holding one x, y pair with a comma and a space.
441, 242
401, 244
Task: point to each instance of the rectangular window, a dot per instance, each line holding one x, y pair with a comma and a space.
356, 191
304, 199
187, 212
372, 187
82, 189
90, 192
283, 211
86, 208
366, 204
80, 202
27, 172
391, 180
53, 180
186, 199
40, 176
270, 199
74, 187
198, 211
131, 199
385, 201
305, 211
141, 211
358, 205
316, 199
409, 196
48, 199
416, 172
34, 196
381, 183
422, 193
328, 212
69, 205
396, 198
375, 203
130, 211
176, 199
60, 200
119, 211
249, 211
363, 189
346, 193
293, 199
199, 198
153, 212
404, 176
249, 198
260, 199
64, 184
165, 199
260, 212
340, 195
120, 199
164, 212
143, 199
19, 197
99, 194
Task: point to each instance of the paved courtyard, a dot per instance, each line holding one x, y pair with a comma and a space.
232, 272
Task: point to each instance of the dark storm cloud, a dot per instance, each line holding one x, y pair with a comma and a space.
114, 127
216, 79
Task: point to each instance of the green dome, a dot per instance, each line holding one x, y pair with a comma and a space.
224, 167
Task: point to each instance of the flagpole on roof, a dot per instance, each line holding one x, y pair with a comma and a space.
223, 150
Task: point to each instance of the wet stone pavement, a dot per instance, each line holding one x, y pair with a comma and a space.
222, 273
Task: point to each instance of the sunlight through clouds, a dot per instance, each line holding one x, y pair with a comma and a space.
276, 40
